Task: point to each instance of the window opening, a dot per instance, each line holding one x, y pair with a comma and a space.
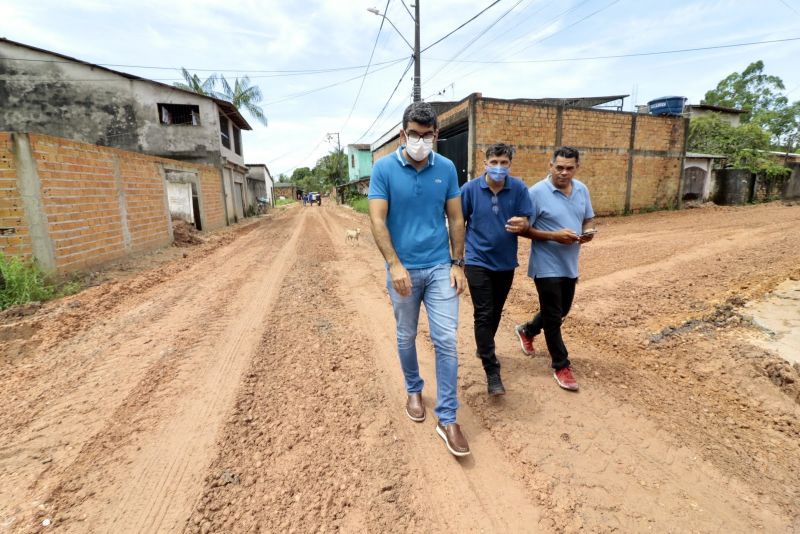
179, 114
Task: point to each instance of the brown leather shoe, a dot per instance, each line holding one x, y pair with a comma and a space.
453, 438
414, 407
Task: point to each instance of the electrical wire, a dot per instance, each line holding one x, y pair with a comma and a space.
364, 77
461, 26
408, 67
547, 24
274, 72
480, 34
617, 56
790, 7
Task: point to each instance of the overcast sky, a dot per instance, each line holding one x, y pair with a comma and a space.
506, 52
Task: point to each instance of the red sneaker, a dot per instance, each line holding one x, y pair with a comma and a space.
565, 379
524, 341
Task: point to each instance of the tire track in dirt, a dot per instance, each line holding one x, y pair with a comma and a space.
157, 416
308, 447
480, 493
595, 461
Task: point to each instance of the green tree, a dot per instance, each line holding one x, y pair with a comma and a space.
745, 146
761, 95
244, 95
194, 84
332, 168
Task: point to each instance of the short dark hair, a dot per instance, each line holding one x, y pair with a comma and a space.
500, 149
421, 113
567, 152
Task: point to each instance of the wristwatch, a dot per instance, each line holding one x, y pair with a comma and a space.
458, 263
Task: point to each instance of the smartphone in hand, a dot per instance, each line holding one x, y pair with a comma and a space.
587, 233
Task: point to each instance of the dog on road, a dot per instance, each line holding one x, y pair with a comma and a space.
351, 236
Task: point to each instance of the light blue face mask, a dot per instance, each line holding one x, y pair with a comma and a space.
497, 173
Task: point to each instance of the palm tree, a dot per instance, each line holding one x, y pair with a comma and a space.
194, 84
244, 95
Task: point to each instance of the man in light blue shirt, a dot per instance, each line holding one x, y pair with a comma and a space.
411, 191
562, 221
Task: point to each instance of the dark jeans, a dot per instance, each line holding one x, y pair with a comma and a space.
488, 290
555, 300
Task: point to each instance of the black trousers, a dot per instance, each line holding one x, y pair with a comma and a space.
489, 290
555, 300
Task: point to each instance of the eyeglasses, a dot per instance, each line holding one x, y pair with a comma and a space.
415, 136
495, 207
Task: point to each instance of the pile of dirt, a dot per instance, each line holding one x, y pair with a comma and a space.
185, 234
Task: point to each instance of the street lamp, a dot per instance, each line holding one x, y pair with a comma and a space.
414, 49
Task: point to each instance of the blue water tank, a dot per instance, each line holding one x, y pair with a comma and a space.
667, 105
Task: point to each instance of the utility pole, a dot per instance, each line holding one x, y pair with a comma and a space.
417, 75
415, 49
338, 154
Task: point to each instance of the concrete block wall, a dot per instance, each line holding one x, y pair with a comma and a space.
81, 205
14, 232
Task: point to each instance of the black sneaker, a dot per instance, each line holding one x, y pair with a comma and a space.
495, 385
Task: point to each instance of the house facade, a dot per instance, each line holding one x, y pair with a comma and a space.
359, 161
732, 116
259, 183
44, 92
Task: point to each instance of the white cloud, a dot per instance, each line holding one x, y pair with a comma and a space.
246, 36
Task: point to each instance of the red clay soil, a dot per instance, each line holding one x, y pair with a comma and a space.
250, 383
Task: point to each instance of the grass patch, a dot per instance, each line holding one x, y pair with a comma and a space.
359, 203
284, 201
22, 282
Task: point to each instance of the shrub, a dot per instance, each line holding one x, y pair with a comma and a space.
22, 282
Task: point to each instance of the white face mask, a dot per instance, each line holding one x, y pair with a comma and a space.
419, 151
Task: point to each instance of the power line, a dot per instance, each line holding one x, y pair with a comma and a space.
480, 34
461, 26
547, 24
569, 26
302, 160
387, 101
276, 72
617, 56
364, 77
790, 7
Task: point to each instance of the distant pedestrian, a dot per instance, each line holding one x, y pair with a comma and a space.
562, 221
491, 250
304, 199
410, 193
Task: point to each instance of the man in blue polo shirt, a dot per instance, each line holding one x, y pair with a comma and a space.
562, 221
488, 202
411, 191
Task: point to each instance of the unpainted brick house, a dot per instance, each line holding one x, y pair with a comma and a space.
629, 161
43, 92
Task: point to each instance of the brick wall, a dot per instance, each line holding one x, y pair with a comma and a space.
604, 140
95, 204
12, 217
388, 148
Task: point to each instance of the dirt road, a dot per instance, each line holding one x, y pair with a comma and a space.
250, 384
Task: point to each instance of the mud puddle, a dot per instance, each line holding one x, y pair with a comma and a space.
778, 314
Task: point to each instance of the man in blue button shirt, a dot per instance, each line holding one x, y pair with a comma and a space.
562, 221
410, 193
488, 202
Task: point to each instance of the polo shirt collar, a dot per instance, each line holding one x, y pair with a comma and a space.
485, 185
553, 188
402, 160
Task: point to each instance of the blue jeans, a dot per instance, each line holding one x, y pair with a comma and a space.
431, 286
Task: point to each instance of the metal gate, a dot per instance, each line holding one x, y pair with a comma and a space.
453, 145
693, 180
